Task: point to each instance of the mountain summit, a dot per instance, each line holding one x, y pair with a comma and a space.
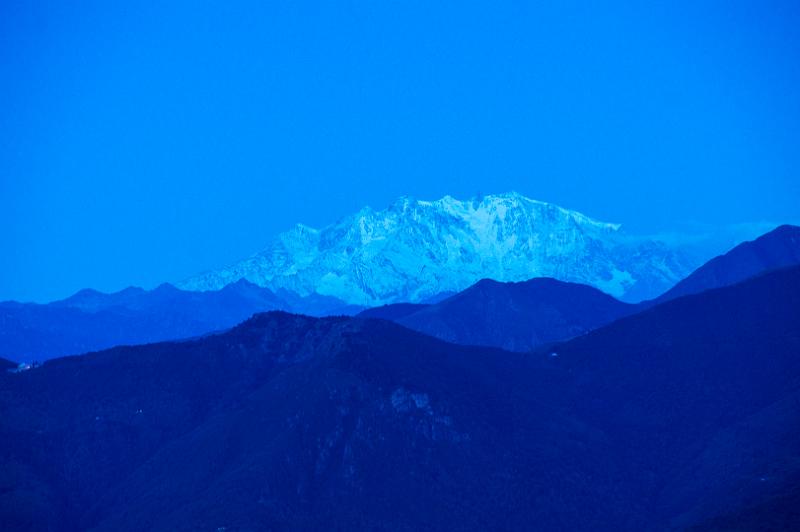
415, 249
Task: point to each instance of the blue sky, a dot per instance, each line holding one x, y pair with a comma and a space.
141, 144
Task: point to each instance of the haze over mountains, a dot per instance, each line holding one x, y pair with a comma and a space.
515, 316
416, 249
90, 320
683, 415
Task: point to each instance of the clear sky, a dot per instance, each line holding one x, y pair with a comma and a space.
141, 144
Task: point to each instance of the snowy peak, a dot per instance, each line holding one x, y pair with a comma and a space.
415, 249
501, 204
493, 209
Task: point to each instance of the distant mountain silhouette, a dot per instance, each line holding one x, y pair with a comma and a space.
777, 249
91, 320
513, 316
675, 417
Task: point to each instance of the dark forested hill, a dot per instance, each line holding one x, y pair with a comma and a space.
702, 393
685, 415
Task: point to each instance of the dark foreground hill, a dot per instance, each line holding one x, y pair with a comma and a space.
685, 415
91, 320
513, 316
703, 395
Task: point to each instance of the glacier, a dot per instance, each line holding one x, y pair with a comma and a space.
416, 249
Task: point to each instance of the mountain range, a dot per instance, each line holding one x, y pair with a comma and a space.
776, 249
523, 316
683, 416
91, 320
505, 404
416, 249
514, 315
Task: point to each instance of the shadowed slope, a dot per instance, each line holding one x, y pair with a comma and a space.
290, 422
702, 392
777, 249
517, 316
667, 418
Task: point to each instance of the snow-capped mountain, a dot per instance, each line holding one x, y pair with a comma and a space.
415, 249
